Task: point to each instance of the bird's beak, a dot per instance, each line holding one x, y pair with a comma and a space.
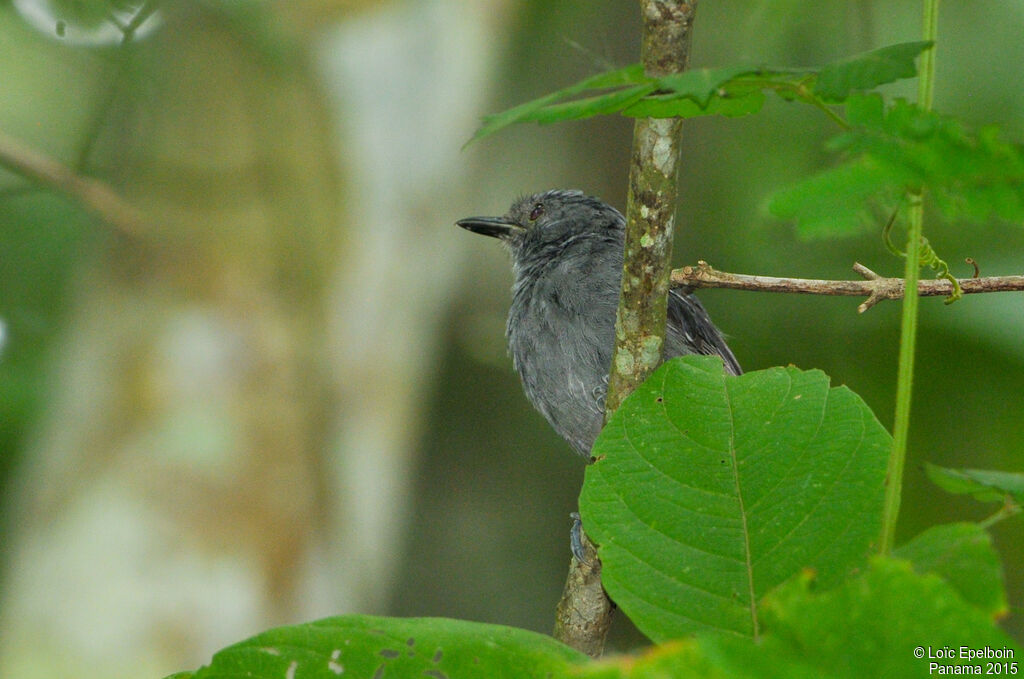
498, 227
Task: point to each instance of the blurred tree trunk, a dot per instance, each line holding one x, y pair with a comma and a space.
178, 490
237, 403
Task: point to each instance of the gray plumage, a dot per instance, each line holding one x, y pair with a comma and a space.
567, 261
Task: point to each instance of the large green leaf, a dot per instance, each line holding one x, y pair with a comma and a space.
885, 623
367, 646
710, 490
962, 554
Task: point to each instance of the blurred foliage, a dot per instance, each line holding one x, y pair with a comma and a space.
43, 239
890, 149
46, 239
962, 554
44, 236
187, 378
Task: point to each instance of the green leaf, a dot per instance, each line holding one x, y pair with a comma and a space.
708, 491
836, 202
700, 84
969, 175
962, 554
366, 646
702, 92
683, 658
630, 75
865, 110
868, 70
975, 176
697, 92
670, 105
985, 485
729, 90
871, 626
592, 106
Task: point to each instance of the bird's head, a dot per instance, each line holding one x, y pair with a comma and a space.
544, 224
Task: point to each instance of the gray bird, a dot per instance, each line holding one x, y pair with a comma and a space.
566, 252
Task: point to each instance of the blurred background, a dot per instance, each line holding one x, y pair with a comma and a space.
285, 394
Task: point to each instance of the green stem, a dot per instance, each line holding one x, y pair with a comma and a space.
805, 94
904, 379
827, 110
908, 323
1008, 509
926, 85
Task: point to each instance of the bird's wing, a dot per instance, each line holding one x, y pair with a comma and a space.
690, 331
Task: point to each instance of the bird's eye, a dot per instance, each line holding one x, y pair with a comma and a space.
536, 212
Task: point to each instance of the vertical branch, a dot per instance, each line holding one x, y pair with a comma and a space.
908, 324
585, 612
650, 209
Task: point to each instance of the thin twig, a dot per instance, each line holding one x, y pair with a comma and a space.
92, 193
876, 288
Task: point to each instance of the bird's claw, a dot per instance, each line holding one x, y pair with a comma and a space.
576, 539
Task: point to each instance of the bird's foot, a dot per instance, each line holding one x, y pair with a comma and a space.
576, 539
